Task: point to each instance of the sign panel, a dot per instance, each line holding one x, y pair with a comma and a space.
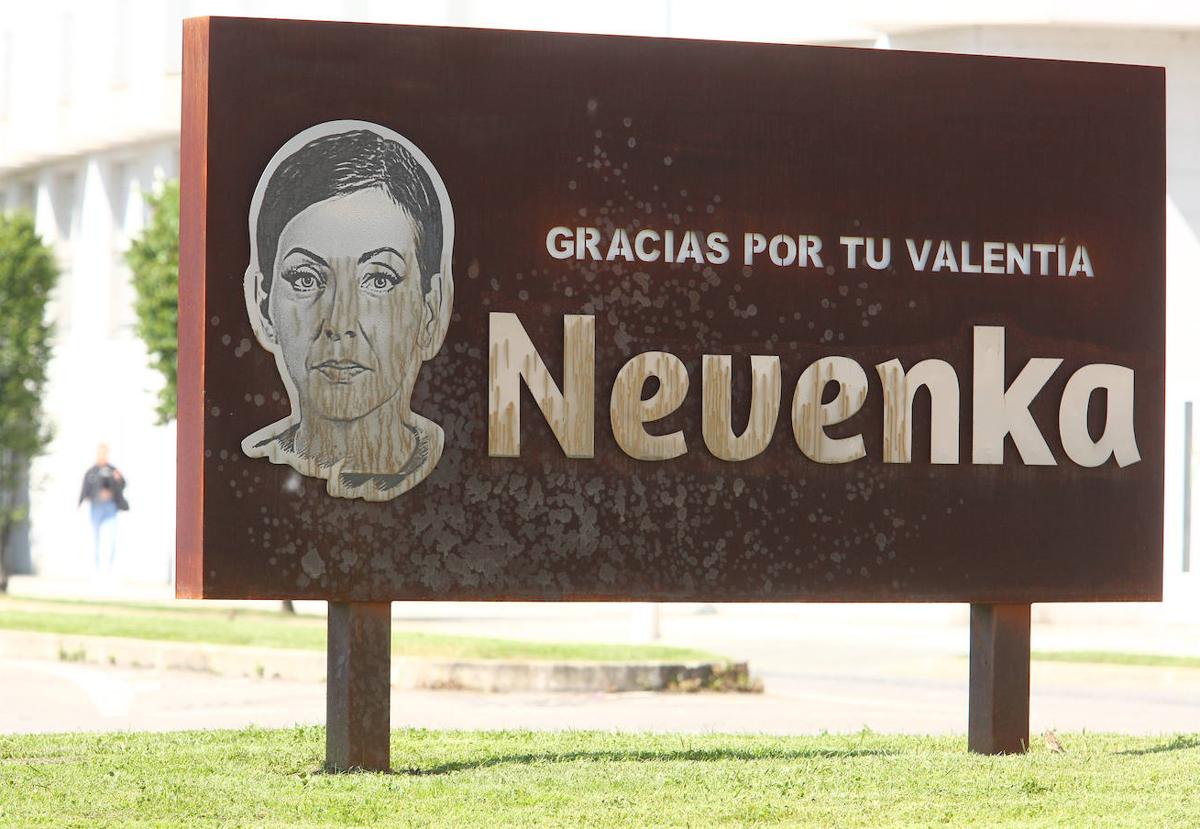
471, 314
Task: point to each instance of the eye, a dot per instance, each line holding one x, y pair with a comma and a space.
304, 279
380, 280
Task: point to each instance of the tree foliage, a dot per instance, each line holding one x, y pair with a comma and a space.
153, 259
28, 273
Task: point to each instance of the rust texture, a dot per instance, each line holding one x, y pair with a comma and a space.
998, 718
532, 130
358, 686
193, 161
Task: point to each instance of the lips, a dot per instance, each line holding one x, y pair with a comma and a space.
340, 371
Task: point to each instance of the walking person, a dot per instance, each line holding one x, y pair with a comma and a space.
104, 490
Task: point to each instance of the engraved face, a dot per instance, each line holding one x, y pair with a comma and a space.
347, 304
349, 287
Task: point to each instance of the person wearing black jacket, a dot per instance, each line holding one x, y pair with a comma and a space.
104, 490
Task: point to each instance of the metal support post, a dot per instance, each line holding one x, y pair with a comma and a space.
998, 712
358, 690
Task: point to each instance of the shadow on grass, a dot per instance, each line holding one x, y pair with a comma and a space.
696, 755
1177, 744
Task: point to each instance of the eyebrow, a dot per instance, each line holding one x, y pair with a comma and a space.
307, 253
384, 249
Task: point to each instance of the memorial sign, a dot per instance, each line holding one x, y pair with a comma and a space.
483, 315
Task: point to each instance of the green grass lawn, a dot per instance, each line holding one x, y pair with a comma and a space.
1117, 658
276, 630
455, 779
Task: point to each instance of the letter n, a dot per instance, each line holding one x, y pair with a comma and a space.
899, 389
570, 412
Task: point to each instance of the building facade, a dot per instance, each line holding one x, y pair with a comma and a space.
89, 124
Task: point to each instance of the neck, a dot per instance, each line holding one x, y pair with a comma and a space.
378, 442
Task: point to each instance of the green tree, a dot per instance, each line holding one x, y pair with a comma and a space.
28, 273
153, 259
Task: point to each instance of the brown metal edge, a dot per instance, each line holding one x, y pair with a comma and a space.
1080, 596
712, 41
1159, 82
193, 206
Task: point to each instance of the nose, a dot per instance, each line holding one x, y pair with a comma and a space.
343, 313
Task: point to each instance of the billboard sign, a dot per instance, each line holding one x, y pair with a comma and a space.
471, 314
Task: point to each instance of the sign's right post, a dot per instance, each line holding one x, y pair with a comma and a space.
998, 710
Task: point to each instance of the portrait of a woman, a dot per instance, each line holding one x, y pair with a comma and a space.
349, 286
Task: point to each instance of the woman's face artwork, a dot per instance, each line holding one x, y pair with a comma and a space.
347, 305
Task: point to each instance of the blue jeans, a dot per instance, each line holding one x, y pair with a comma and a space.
104, 527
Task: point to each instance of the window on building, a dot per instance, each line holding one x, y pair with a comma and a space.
124, 202
26, 198
65, 200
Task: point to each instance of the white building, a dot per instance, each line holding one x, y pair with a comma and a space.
89, 122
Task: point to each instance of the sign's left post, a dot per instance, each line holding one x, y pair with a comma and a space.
358, 687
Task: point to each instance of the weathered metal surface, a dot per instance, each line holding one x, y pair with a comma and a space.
358, 691
193, 209
530, 131
998, 718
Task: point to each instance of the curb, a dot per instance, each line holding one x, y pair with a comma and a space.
492, 676
569, 677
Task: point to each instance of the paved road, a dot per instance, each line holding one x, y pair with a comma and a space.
840, 687
835, 668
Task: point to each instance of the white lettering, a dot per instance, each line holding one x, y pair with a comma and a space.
810, 250
944, 258
782, 250
717, 417
559, 243
718, 248
899, 390
810, 416
998, 412
628, 411
1081, 262
852, 243
512, 358
883, 259
993, 257
1017, 259
752, 243
619, 246
967, 265
1117, 440
639, 244
918, 262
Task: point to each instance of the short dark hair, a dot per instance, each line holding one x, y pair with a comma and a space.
341, 164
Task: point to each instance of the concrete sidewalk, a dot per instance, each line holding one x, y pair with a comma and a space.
51, 696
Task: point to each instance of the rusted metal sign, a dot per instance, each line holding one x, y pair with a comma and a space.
473, 314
